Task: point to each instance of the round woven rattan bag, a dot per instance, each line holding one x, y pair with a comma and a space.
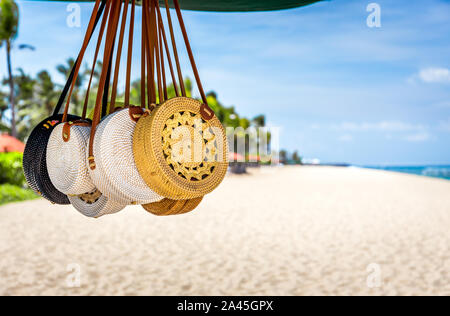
116, 174
66, 158
35, 154
95, 204
168, 207
35, 160
179, 154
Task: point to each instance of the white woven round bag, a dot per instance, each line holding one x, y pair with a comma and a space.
95, 204
116, 174
66, 160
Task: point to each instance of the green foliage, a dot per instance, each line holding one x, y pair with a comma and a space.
11, 193
11, 171
283, 156
9, 20
3, 108
296, 158
259, 121
77, 99
244, 123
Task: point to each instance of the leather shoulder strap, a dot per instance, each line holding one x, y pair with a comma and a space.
82, 51
66, 88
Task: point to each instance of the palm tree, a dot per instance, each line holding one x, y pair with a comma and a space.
3, 104
283, 156
45, 92
27, 107
9, 23
259, 121
96, 74
3, 108
67, 68
296, 158
77, 98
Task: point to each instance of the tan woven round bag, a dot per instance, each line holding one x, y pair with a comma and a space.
179, 154
168, 207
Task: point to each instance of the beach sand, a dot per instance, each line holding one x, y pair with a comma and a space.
280, 231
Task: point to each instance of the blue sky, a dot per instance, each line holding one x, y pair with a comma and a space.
339, 90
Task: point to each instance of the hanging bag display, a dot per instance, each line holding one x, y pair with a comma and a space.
180, 148
166, 154
66, 150
167, 206
35, 154
115, 172
94, 203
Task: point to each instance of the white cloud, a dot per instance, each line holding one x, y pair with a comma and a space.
347, 138
442, 105
382, 126
444, 125
418, 137
392, 130
435, 75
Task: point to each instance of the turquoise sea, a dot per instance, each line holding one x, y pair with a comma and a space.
442, 172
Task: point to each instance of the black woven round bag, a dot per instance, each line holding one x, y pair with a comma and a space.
35, 160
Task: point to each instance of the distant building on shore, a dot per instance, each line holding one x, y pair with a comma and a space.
311, 161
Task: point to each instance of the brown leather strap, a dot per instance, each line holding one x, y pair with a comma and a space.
175, 51
105, 108
206, 112
155, 37
143, 58
80, 59
161, 53
166, 47
66, 131
130, 55
112, 104
150, 48
135, 112
110, 36
97, 49
148, 73
68, 125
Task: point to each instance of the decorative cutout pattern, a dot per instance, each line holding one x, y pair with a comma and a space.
189, 146
91, 197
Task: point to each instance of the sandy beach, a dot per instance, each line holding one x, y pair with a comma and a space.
280, 231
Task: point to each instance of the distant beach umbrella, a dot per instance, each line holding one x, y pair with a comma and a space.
10, 144
234, 5
233, 157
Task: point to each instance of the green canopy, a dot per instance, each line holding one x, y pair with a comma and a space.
232, 5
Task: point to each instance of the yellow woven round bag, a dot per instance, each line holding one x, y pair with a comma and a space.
178, 153
168, 207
